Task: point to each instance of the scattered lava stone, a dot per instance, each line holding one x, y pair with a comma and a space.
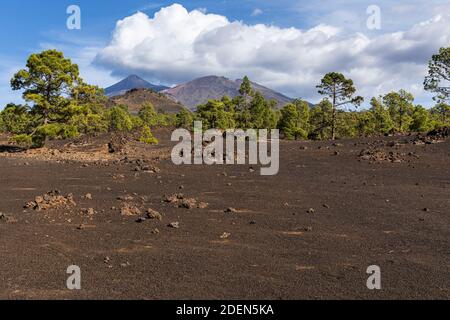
174, 225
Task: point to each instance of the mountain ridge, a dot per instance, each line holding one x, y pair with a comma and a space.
200, 90
135, 99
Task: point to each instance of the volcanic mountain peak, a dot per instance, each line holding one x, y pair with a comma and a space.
129, 83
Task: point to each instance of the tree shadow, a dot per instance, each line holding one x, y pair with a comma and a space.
10, 149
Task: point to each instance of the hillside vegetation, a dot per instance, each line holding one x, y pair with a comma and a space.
136, 98
59, 104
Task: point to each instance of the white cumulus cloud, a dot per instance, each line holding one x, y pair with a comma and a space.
177, 45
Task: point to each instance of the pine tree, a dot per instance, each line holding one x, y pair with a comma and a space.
148, 114
214, 116
383, 123
289, 121
320, 120
47, 81
340, 91
184, 119
62, 105
438, 79
304, 112
421, 121
246, 87
441, 113
366, 125
244, 116
262, 114
119, 119
400, 106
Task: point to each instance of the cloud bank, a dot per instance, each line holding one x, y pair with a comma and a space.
177, 45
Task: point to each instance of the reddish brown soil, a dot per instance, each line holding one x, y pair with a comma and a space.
392, 214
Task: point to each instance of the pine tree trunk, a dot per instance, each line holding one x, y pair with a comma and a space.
333, 126
333, 117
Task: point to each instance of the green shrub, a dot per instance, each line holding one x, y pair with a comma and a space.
23, 140
2, 125
53, 131
137, 122
147, 136
69, 131
148, 115
89, 123
16, 119
119, 119
421, 120
184, 119
166, 119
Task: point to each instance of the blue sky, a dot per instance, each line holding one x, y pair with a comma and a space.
282, 56
42, 21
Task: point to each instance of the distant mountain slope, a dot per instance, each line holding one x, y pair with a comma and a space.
199, 91
135, 98
131, 82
